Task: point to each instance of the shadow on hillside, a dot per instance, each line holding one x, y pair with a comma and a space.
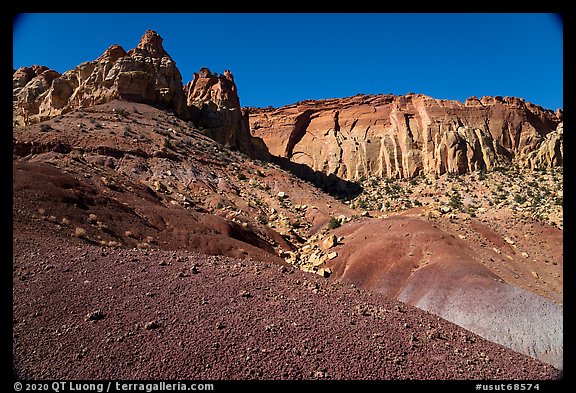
331, 184
256, 148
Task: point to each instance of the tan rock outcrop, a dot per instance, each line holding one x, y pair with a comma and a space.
549, 153
215, 107
144, 74
403, 136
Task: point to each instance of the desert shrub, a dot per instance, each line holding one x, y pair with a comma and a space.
45, 127
519, 198
455, 201
120, 111
262, 219
333, 223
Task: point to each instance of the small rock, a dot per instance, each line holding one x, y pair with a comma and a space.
95, 316
281, 195
220, 325
325, 272
340, 239
332, 255
535, 274
497, 251
316, 259
525, 255
246, 294
365, 214
194, 269
151, 325
163, 263
272, 211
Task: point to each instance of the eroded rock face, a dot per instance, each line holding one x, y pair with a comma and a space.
405, 136
215, 107
144, 74
550, 151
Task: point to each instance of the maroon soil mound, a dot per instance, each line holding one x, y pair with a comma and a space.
415, 261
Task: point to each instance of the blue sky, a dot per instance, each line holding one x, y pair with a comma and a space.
279, 59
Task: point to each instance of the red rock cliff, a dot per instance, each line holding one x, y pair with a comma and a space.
404, 136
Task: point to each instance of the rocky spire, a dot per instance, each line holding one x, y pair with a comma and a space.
151, 42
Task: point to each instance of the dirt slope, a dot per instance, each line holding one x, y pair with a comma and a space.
87, 311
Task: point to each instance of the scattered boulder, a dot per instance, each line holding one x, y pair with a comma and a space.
329, 242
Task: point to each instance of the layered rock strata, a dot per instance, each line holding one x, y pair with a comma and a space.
406, 136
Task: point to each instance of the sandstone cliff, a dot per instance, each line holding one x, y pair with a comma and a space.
405, 136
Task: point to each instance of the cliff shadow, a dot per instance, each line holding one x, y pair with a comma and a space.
330, 184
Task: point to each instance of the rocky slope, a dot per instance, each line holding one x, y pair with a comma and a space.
406, 136
88, 312
117, 157
142, 171
124, 174
423, 264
